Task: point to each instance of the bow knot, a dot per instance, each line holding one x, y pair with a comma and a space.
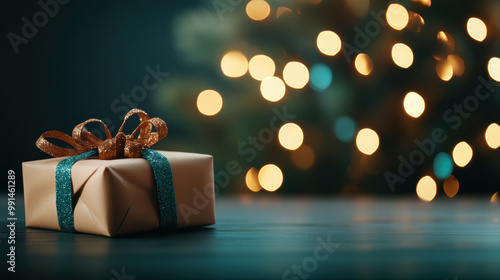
121, 145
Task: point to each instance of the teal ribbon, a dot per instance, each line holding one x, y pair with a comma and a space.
164, 180
64, 190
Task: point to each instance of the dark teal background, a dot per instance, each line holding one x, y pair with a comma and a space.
77, 65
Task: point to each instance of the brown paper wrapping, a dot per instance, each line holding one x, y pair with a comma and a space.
118, 196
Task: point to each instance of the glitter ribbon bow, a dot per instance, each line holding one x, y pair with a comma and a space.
86, 144
120, 146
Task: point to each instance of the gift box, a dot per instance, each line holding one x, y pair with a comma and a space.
115, 194
119, 196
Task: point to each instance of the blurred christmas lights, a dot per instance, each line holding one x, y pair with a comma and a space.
492, 136
367, 141
451, 186
426, 188
477, 29
290, 136
494, 198
295, 74
303, 158
270, 177
443, 165
402, 55
445, 45
272, 89
252, 180
261, 66
234, 64
462, 154
457, 64
444, 70
425, 3
329, 42
345, 129
209, 102
494, 68
414, 104
320, 77
397, 16
363, 64
416, 22
258, 10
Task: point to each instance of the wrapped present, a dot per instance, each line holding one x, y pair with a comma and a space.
129, 188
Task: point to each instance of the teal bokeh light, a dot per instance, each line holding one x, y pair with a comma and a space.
443, 165
345, 129
320, 77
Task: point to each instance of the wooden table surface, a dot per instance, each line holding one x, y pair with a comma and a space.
273, 237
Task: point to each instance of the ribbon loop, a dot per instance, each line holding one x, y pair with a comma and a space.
143, 116
120, 146
54, 150
153, 137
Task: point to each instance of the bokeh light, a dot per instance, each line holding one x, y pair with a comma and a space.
462, 154
492, 136
345, 129
443, 165
290, 136
363, 64
252, 180
457, 63
270, 177
494, 68
426, 188
272, 89
494, 198
281, 11
295, 74
444, 70
258, 10
414, 104
303, 158
397, 16
415, 23
367, 141
446, 42
329, 42
477, 29
402, 55
320, 77
425, 3
209, 102
451, 186
358, 7
234, 64
261, 66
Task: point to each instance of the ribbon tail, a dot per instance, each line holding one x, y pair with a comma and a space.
164, 179
64, 191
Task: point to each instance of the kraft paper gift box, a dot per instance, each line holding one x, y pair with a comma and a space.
128, 189
118, 196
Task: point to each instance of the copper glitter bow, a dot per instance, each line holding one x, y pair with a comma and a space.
120, 146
